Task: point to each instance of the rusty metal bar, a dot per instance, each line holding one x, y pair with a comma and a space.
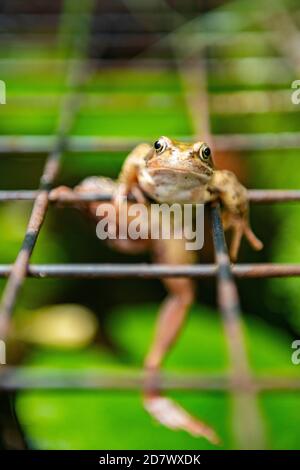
257, 142
153, 40
286, 35
258, 196
152, 271
222, 142
26, 22
252, 102
247, 422
271, 196
138, 63
228, 299
240, 102
35, 378
41, 202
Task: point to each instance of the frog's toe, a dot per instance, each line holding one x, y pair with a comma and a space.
173, 416
138, 195
61, 193
255, 242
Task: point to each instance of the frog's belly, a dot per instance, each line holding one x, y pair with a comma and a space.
171, 187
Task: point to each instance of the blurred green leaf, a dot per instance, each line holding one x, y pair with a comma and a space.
51, 419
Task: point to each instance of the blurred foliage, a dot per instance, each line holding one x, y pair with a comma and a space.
62, 326
52, 419
277, 170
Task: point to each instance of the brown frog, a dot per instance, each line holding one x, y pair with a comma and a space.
172, 172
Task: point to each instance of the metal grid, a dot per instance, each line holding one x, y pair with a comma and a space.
239, 382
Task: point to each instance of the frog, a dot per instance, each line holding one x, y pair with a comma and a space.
170, 172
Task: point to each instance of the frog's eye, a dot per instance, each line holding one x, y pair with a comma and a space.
160, 145
205, 152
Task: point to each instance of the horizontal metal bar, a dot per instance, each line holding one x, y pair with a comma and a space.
240, 102
261, 141
139, 62
123, 38
255, 195
273, 195
149, 271
27, 378
232, 142
250, 102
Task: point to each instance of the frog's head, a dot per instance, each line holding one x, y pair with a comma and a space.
181, 157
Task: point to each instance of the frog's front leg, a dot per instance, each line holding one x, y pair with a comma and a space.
91, 185
235, 213
128, 178
171, 318
100, 185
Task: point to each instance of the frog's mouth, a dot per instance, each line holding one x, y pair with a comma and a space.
202, 177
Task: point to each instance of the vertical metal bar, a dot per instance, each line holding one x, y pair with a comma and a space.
66, 119
193, 77
287, 35
246, 421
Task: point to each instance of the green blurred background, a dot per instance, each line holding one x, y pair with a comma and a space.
134, 90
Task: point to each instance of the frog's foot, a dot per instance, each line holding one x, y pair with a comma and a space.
138, 194
123, 191
120, 195
96, 185
173, 416
61, 194
240, 228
